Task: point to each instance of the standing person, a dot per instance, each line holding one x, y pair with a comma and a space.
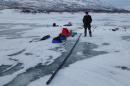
87, 20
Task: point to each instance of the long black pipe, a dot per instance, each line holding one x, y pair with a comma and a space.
61, 65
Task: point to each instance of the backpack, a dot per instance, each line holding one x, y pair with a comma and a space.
66, 32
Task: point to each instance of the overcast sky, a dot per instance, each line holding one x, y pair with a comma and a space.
120, 3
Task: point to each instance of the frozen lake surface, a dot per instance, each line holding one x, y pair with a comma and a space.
102, 60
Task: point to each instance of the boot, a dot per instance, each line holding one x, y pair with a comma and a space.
90, 33
85, 32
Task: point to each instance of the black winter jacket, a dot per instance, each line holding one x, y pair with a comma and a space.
87, 20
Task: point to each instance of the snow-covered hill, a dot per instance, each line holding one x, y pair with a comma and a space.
58, 5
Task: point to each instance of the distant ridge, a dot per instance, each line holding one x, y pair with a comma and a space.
36, 6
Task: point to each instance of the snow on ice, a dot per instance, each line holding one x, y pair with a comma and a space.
18, 55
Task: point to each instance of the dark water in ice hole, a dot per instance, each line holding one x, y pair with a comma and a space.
40, 70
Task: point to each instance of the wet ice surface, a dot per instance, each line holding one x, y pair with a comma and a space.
127, 38
17, 53
16, 30
40, 70
106, 44
10, 69
3, 67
